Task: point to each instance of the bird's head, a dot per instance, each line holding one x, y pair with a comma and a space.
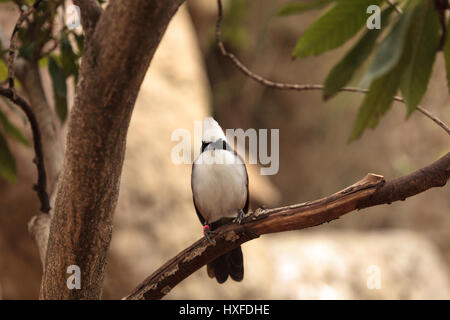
211, 133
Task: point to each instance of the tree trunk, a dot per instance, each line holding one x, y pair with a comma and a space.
118, 51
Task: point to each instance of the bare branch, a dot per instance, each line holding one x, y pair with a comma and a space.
396, 8
27, 72
294, 86
52, 147
31, 79
370, 191
90, 13
50, 49
435, 175
41, 186
50, 142
427, 113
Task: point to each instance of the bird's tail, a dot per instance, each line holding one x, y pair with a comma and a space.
230, 264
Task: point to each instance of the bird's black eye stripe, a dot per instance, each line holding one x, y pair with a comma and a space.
204, 145
218, 145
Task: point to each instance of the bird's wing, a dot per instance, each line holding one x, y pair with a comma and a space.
200, 217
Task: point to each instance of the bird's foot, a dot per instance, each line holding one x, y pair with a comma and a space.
207, 232
240, 217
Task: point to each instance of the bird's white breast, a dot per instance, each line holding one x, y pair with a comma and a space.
219, 184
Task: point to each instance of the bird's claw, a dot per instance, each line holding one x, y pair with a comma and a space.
240, 217
207, 233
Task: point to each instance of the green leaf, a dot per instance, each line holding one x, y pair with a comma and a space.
79, 38
68, 57
233, 31
12, 130
343, 71
27, 50
424, 37
379, 98
59, 88
375, 103
390, 49
43, 62
8, 169
334, 27
299, 7
3, 71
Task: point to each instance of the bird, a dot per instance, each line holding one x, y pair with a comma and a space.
219, 183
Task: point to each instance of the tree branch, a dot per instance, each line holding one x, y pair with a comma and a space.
370, 191
294, 86
38, 119
90, 13
50, 139
396, 8
435, 175
39, 228
52, 145
41, 186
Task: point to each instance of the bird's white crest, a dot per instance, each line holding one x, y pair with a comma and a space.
212, 131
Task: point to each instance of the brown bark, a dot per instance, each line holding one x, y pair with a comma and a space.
114, 64
39, 228
52, 146
370, 191
434, 175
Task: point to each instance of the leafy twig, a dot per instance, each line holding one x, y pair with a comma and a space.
10, 93
299, 87
13, 43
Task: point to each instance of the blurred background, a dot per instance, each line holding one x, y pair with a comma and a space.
397, 251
